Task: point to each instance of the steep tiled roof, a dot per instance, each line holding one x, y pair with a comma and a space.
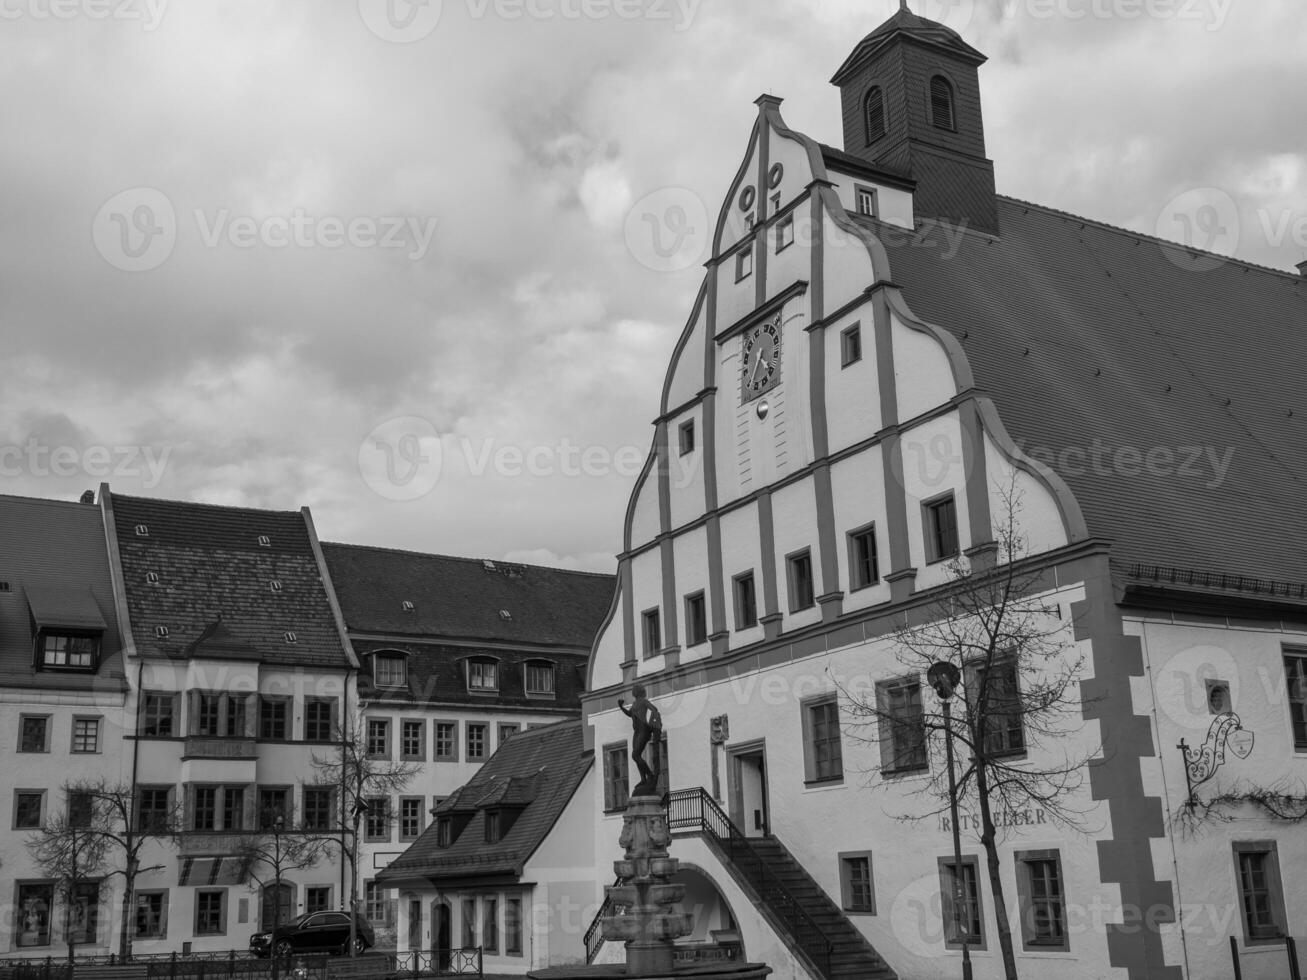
211, 566
1166, 387
540, 770
462, 598
56, 549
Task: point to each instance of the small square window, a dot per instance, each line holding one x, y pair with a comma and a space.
652, 632
319, 807
482, 675
317, 898
273, 715
157, 715
507, 731
319, 719
151, 920
540, 679
941, 518
34, 733
746, 601
685, 437
864, 569
867, 202
850, 345
799, 568
86, 735
856, 889
389, 671
785, 233
744, 263
696, 620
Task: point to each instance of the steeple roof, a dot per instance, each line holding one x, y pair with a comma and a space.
912, 26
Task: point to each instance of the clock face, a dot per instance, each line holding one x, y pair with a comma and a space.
762, 358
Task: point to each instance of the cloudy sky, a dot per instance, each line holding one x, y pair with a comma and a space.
396, 261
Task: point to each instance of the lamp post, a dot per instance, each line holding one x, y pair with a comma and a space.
361, 807
944, 677
278, 825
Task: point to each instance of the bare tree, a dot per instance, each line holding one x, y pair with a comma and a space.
362, 777
1019, 700
67, 850
268, 856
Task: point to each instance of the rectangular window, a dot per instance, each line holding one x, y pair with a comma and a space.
696, 620
799, 570
377, 821
274, 802
444, 832
319, 719
34, 733
35, 901
823, 755
389, 671
151, 920
211, 913
378, 738
153, 808
1295, 675
447, 741
85, 913
233, 808
374, 903
81, 809
410, 818
540, 680
63, 650
1041, 899
785, 233
507, 731
492, 826
469, 923
476, 740
746, 602
157, 715
86, 735
997, 699
319, 807
902, 725
490, 925
205, 814
652, 631
856, 891
317, 898
208, 708
867, 201
941, 518
850, 345
482, 675
235, 716
29, 808
961, 903
272, 718
744, 263
512, 926
864, 569
1261, 891
412, 740
616, 778
685, 437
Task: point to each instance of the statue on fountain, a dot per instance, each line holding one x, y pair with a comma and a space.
647, 724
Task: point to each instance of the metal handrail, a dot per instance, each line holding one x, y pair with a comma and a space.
695, 809
593, 937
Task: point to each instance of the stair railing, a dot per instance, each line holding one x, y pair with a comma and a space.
594, 937
695, 810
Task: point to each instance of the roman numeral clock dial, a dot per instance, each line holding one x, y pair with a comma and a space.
761, 365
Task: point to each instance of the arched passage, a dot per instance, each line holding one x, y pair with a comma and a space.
716, 932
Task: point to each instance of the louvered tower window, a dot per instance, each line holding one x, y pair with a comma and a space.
873, 110
941, 103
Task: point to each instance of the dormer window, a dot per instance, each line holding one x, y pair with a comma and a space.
483, 675
492, 827
69, 651
539, 679
873, 111
68, 626
444, 835
389, 670
941, 104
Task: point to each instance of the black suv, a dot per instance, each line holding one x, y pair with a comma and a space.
317, 932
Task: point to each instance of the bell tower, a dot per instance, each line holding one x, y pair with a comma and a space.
910, 94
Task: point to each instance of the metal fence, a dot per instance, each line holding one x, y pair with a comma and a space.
243, 965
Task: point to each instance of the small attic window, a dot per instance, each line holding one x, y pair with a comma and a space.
406, 606
275, 585
444, 835
483, 675
389, 670
151, 578
505, 614
941, 104
265, 541
4, 587
488, 565
290, 637
161, 632
873, 111
142, 530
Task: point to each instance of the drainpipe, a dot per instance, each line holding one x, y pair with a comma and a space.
130, 829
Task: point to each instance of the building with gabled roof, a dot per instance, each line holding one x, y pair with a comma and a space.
502, 867
884, 355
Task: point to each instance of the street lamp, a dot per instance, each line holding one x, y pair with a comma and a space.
278, 825
944, 677
361, 807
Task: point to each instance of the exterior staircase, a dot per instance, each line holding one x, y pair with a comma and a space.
799, 910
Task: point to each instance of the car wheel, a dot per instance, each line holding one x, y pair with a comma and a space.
360, 945
283, 949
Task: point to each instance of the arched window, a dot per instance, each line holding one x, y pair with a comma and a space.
873, 111
941, 103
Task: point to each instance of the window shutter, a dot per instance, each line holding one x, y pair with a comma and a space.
874, 108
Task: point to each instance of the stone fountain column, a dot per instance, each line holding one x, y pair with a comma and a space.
653, 923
